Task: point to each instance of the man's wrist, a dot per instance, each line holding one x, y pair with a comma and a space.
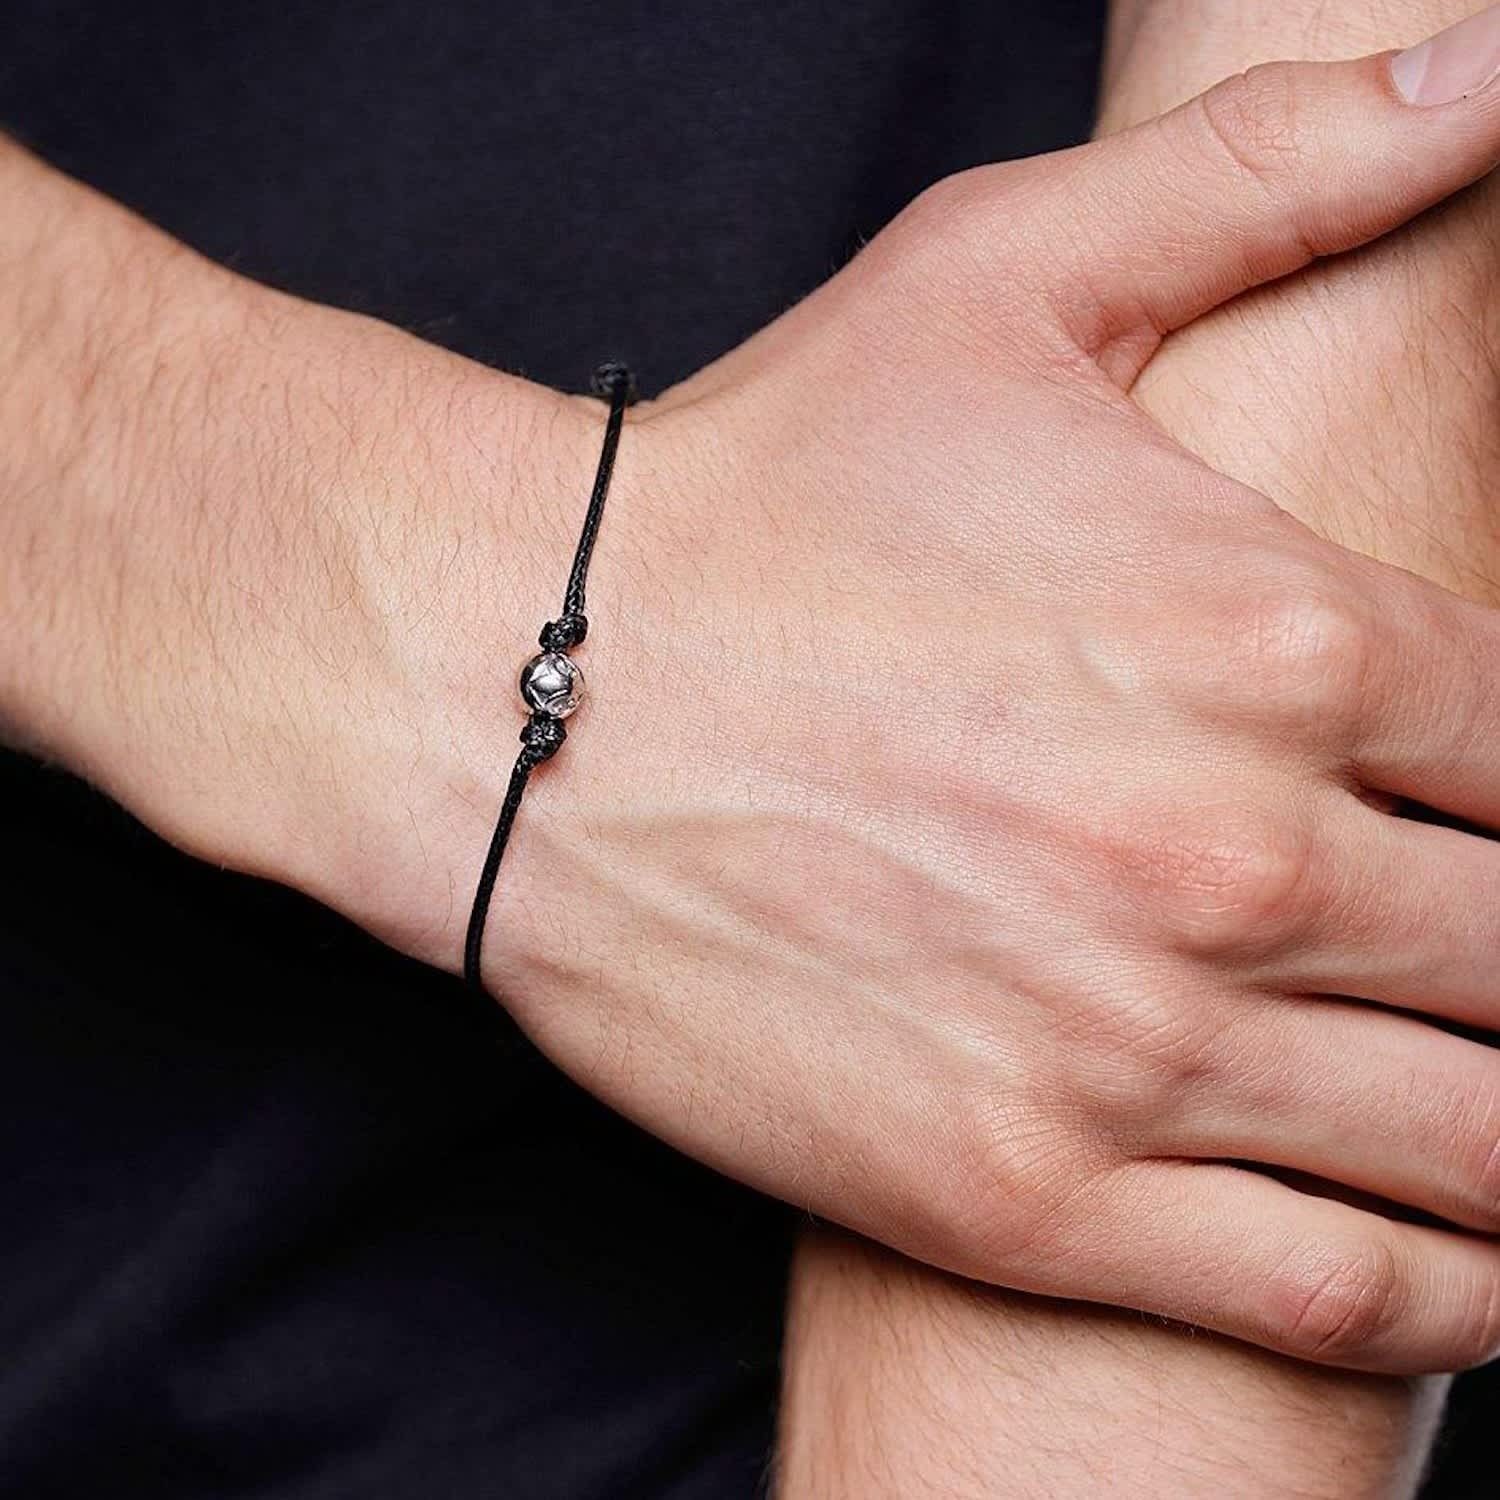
267, 569
450, 491
620, 740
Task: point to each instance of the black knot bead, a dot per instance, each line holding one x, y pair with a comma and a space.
542, 737
561, 635
611, 376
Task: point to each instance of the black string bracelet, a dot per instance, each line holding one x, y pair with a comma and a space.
550, 682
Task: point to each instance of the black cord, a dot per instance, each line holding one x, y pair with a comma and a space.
544, 733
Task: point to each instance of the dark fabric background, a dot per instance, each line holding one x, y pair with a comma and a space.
287, 1217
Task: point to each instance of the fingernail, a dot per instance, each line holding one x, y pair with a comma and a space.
1452, 65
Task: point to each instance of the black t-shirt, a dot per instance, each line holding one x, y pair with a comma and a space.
285, 1215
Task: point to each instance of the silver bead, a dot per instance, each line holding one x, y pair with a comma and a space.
552, 684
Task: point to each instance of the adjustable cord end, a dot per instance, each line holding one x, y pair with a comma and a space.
611, 378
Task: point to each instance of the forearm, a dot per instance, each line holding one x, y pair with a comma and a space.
254, 556
89, 301
1366, 407
902, 1382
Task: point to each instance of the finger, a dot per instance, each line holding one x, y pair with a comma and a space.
1428, 726
1410, 918
1360, 1097
1310, 1277
1255, 178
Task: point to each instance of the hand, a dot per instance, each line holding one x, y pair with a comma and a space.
983, 800
1360, 395
948, 848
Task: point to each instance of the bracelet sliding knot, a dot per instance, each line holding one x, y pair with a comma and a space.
551, 682
611, 378
542, 735
558, 635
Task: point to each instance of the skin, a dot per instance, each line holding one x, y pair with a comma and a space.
1360, 396
904, 1381
257, 557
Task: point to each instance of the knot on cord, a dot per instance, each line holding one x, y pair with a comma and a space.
613, 376
542, 737
566, 631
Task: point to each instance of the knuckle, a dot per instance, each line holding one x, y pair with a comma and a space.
1336, 1308
951, 199
964, 251
1254, 120
1305, 648
1147, 1057
1008, 1176
958, 210
1231, 883
957, 241
946, 279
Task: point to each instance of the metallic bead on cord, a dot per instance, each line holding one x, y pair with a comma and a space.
552, 684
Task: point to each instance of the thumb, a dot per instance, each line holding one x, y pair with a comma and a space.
1257, 177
